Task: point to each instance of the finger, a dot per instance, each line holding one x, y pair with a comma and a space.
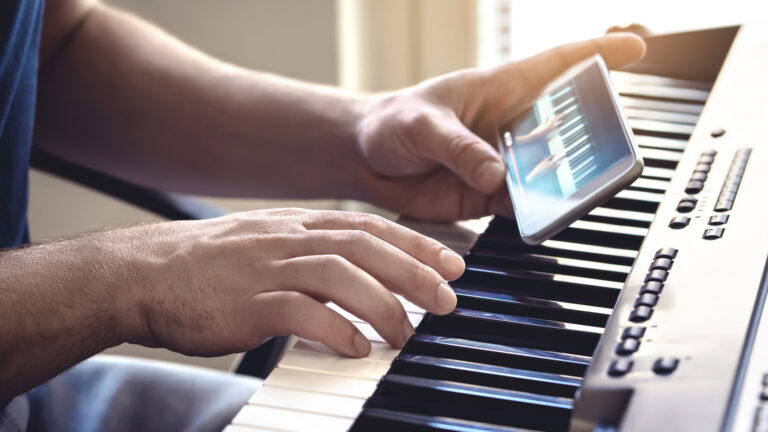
617, 49
351, 288
295, 313
431, 252
395, 269
501, 204
451, 144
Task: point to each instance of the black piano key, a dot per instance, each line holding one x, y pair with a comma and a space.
661, 105
513, 330
516, 246
509, 304
621, 203
491, 259
496, 354
528, 283
672, 94
600, 238
471, 402
375, 419
485, 375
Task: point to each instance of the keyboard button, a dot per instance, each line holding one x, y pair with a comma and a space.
679, 222
647, 299
723, 206
665, 365
653, 287
718, 219
620, 367
656, 275
713, 233
687, 204
670, 253
694, 187
640, 314
717, 133
699, 176
635, 332
627, 346
707, 159
661, 263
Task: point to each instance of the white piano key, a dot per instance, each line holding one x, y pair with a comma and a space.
413, 317
667, 116
320, 383
685, 94
664, 155
583, 247
622, 77
290, 420
663, 173
318, 403
682, 107
640, 196
380, 352
408, 306
334, 365
625, 214
671, 144
241, 428
657, 126
646, 183
613, 228
368, 331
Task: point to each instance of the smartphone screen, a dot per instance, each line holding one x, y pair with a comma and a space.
564, 149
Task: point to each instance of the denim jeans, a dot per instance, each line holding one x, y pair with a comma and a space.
111, 393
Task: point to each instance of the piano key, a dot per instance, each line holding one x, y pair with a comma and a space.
602, 234
333, 365
413, 317
289, 420
661, 92
650, 184
408, 306
625, 201
621, 77
665, 116
509, 304
240, 428
317, 403
657, 173
533, 261
485, 375
660, 158
657, 128
380, 352
514, 330
471, 402
670, 144
562, 249
381, 419
320, 383
369, 332
661, 105
496, 354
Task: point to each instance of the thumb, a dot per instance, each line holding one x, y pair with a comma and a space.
471, 158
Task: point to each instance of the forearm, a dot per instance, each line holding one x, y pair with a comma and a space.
121, 96
60, 305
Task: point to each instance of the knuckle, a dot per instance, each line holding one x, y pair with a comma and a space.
329, 266
465, 149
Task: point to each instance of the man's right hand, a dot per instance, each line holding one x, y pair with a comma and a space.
228, 284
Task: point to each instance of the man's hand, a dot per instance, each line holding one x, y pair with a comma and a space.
227, 284
429, 146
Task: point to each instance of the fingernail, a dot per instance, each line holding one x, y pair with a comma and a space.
362, 345
490, 174
408, 330
451, 262
446, 298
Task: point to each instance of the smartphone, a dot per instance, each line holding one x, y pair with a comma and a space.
568, 153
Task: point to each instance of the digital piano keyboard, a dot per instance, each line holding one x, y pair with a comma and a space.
645, 315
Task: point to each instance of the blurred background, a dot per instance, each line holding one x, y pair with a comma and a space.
365, 45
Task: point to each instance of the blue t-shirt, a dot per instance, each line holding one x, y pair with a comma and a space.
20, 22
